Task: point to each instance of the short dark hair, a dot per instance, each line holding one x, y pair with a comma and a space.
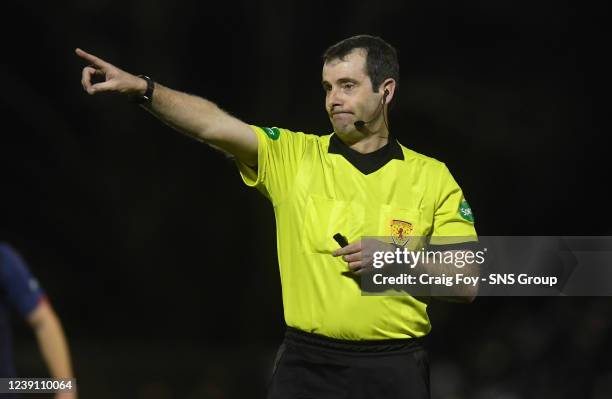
381, 57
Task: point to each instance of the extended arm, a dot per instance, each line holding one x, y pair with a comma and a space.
189, 114
52, 343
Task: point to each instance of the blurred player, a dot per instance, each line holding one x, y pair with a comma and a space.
20, 292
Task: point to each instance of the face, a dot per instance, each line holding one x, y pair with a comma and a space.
348, 92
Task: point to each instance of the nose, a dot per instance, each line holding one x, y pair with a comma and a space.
333, 100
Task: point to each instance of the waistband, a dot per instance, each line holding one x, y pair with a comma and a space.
299, 337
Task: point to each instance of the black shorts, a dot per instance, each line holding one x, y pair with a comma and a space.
310, 366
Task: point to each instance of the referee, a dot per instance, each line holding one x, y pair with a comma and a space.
357, 181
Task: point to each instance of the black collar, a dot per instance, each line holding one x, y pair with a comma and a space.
366, 163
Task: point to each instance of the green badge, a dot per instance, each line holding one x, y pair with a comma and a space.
465, 211
272, 132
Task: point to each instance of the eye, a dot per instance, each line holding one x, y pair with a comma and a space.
348, 85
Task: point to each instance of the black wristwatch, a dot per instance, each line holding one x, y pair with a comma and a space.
148, 94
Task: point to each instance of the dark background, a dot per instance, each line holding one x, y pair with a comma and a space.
162, 265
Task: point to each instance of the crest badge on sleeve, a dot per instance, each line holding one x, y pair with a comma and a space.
465, 211
272, 132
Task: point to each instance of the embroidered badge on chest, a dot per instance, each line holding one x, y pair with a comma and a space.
400, 231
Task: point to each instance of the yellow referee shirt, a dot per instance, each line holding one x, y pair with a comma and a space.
319, 187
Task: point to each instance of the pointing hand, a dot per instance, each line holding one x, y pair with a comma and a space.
110, 78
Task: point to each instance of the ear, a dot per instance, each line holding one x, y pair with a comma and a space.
387, 90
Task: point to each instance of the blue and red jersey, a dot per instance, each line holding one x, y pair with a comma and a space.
19, 292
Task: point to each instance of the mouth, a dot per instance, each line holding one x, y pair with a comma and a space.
342, 114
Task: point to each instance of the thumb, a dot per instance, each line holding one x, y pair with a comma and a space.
102, 87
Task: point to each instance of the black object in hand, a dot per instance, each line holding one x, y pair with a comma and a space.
341, 240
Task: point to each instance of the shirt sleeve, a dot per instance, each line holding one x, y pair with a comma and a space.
22, 290
279, 155
453, 217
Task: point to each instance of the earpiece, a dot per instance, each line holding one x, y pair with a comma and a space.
385, 94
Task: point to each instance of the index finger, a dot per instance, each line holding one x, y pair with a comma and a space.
353, 247
100, 63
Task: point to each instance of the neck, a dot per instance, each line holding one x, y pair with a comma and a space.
368, 139
369, 143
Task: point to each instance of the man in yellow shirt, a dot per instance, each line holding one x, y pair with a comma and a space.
357, 181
